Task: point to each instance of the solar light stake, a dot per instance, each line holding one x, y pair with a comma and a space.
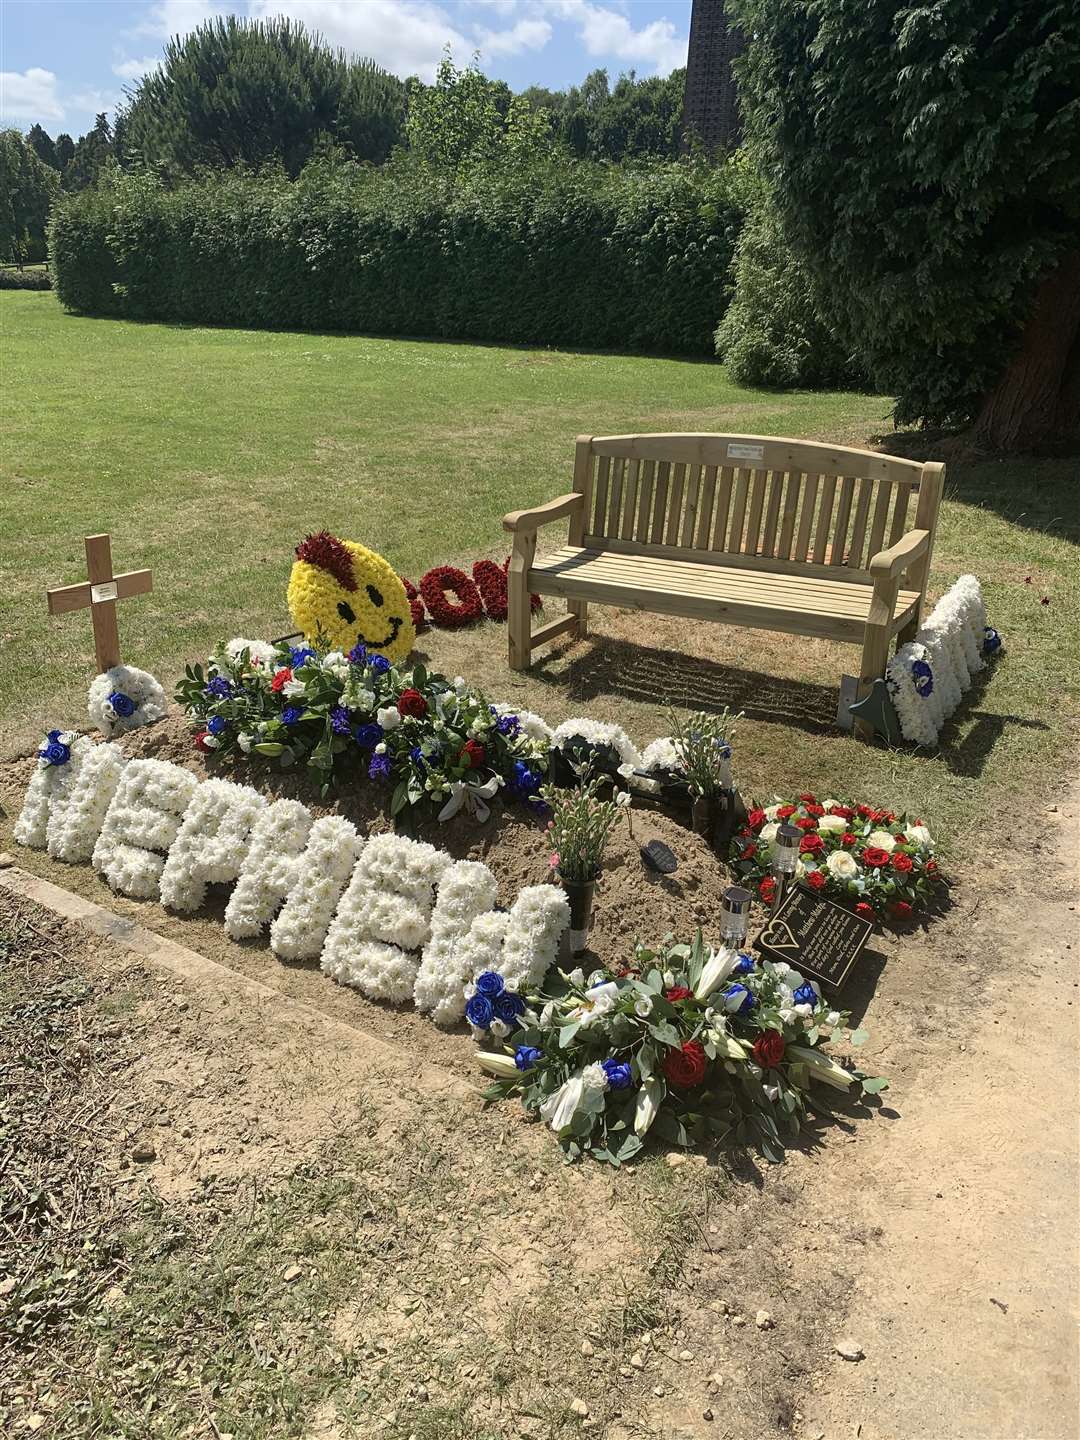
785, 859
734, 914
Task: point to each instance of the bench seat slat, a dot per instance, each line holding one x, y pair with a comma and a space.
688, 587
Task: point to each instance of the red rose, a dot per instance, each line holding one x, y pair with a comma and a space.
756, 819
280, 680
811, 845
806, 824
200, 742
901, 862
864, 811
900, 910
815, 810
931, 867
865, 910
411, 703
768, 1049
816, 880
785, 811
848, 838
749, 852
476, 753
844, 811
808, 799
744, 833
678, 992
875, 857
686, 1067
879, 816
767, 889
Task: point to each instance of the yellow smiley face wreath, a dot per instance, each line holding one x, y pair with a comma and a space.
343, 595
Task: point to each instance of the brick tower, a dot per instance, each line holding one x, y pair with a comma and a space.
710, 105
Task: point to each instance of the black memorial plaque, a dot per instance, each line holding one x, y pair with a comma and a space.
817, 937
660, 857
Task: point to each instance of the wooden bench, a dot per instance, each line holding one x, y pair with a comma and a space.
782, 535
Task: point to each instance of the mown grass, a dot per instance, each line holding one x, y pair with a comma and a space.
209, 453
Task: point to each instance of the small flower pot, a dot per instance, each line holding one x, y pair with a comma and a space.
580, 894
716, 817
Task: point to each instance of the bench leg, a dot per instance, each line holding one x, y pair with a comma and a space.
877, 640
519, 611
580, 608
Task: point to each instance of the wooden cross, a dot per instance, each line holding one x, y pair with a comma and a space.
100, 591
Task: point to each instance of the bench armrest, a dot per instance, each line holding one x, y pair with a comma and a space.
887, 564
522, 522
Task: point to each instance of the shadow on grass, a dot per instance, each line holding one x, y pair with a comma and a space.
968, 756
666, 678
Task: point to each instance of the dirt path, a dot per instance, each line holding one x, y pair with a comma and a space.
967, 1309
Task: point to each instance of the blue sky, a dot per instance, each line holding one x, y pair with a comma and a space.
64, 60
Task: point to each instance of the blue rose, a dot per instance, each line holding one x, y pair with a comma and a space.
508, 725
54, 751
744, 965
490, 983
300, 657
526, 1056
805, 995
122, 704
991, 640
368, 736
379, 769
619, 1075
219, 688
216, 724
738, 1000
379, 663
509, 1006
480, 1012
923, 677
416, 755
358, 655
525, 781
339, 720
291, 714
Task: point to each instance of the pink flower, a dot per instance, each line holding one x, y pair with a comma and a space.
554, 861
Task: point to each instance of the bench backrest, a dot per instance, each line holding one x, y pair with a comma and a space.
752, 500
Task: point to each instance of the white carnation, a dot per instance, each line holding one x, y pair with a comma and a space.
141, 689
141, 825
467, 891
270, 868
537, 920
596, 732
300, 929
212, 843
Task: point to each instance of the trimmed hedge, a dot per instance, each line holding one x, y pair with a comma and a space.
12, 279
573, 255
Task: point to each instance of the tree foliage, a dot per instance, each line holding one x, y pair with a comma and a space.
925, 160
236, 92
27, 189
635, 118
90, 156
464, 120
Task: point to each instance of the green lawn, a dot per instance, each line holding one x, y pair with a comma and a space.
209, 453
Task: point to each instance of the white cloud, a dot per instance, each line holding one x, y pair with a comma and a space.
607, 34
29, 95
406, 37
136, 69
524, 35
177, 17
93, 100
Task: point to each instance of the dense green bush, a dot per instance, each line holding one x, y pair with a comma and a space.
11, 279
559, 254
773, 333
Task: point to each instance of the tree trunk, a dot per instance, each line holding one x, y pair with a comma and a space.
1037, 396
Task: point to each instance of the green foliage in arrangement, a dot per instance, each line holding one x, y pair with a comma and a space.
238, 92
925, 161
27, 188
556, 254
773, 333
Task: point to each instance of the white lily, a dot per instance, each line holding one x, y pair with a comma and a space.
559, 1108
820, 1066
470, 798
727, 1045
501, 1065
647, 1106
715, 971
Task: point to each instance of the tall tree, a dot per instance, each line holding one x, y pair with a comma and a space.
43, 145
27, 189
90, 156
239, 92
925, 160
465, 119
65, 149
